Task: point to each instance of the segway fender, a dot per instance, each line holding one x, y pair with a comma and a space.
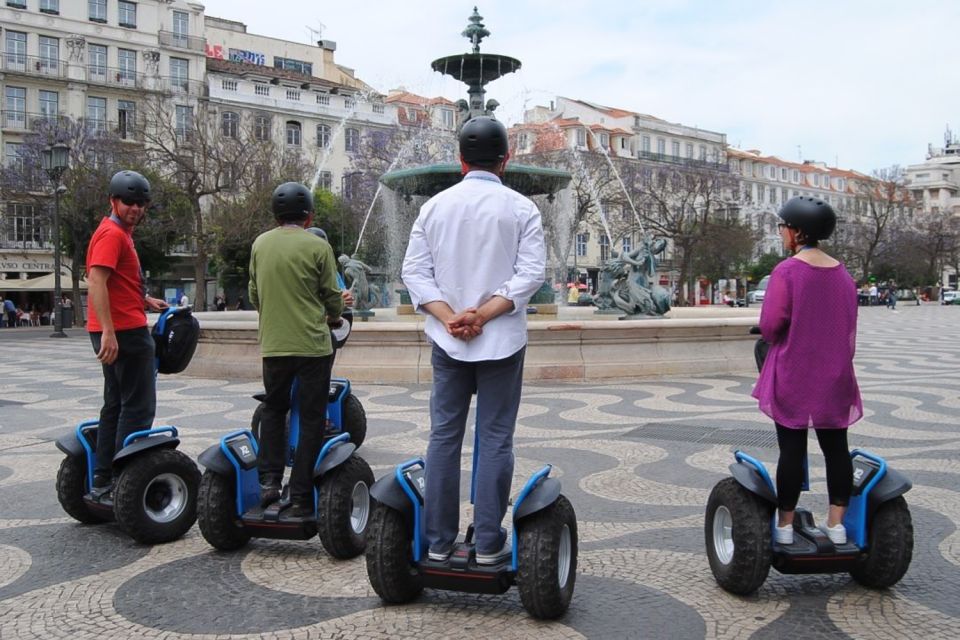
71, 446
751, 480
259, 397
893, 484
339, 453
214, 460
543, 495
145, 444
387, 491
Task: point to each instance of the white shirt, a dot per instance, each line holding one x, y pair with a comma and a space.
184, 301
471, 242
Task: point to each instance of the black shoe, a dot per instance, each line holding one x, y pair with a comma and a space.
102, 494
269, 493
300, 510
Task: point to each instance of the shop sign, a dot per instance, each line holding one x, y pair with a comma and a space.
250, 57
8, 263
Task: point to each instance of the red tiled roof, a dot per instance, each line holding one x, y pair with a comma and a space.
412, 98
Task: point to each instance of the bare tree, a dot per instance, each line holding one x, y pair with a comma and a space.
880, 200
207, 154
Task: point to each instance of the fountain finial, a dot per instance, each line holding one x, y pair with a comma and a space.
475, 31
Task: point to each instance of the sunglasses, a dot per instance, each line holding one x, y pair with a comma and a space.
135, 202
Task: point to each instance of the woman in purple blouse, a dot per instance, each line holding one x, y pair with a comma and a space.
809, 318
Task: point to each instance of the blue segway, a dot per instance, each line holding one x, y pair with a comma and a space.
229, 511
544, 541
741, 516
154, 498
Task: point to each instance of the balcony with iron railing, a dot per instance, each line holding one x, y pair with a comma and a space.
32, 65
116, 77
181, 86
686, 162
183, 41
22, 122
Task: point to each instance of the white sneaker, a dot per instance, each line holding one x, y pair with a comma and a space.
783, 535
439, 556
836, 533
504, 554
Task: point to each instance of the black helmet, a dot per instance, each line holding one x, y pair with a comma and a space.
483, 142
291, 201
130, 186
814, 217
317, 231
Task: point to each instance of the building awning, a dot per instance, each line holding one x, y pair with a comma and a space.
43, 283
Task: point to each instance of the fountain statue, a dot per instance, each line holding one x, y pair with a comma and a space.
476, 70
627, 282
365, 295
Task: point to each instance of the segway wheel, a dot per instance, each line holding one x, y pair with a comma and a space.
354, 420
890, 546
389, 557
255, 421
71, 485
217, 513
155, 499
343, 510
547, 559
737, 533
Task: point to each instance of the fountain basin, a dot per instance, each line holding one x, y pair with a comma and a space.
397, 351
431, 180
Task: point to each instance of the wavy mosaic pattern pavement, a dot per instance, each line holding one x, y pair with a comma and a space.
636, 458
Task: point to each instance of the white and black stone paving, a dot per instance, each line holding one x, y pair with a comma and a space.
637, 460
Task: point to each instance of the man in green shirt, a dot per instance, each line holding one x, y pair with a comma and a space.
293, 284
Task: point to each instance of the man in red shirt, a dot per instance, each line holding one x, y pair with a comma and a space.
118, 325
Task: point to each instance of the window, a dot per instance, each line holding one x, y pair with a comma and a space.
325, 181
796, 176
261, 89
379, 109
645, 144
323, 98
446, 116
293, 94
97, 62
522, 141
97, 10
690, 150
15, 109
816, 179
604, 247
180, 74
760, 194
228, 85
14, 156
230, 124
127, 13
783, 174
581, 137
351, 139
772, 194
293, 134
25, 225
181, 28
49, 54
96, 114
127, 61
581, 244
126, 118
784, 194
184, 122
349, 103
261, 128
17, 4
627, 244
323, 136
50, 6
703, 153
605, 140
297, 66
16, 50
661, 146
675, 149
49, 105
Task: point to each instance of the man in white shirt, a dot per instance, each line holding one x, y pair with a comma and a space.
475, 258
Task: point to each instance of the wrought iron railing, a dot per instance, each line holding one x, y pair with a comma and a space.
32, 65
182, 41
686, 162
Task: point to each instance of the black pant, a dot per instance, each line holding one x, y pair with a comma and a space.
793, 448
278, 375
11, 318
129, 393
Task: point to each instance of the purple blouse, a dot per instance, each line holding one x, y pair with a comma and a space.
809, 317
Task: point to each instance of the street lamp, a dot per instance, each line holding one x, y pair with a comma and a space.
56, 160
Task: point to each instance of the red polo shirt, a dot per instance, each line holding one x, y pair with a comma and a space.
112, 247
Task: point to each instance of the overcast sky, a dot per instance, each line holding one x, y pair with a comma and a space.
856, 84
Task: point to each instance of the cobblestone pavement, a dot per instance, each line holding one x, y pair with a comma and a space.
637, 459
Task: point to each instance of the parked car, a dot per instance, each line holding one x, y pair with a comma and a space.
757, 294
949, 297
906, 294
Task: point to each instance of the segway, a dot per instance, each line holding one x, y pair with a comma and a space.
544, 542
741, 516
154, 498
229, 506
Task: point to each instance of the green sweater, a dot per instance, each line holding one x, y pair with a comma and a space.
293, 284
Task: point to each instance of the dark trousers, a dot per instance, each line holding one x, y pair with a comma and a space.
11, 318
129, 394
278, 375
498, 384
793, 447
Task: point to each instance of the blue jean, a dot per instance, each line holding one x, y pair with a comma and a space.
498, 384
129, 394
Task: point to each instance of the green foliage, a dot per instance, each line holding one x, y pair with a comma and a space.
724, 249
763, 266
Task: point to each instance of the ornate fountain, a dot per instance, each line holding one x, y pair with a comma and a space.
476, 70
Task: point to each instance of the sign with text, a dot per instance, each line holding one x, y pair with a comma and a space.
14, 263
250, 57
